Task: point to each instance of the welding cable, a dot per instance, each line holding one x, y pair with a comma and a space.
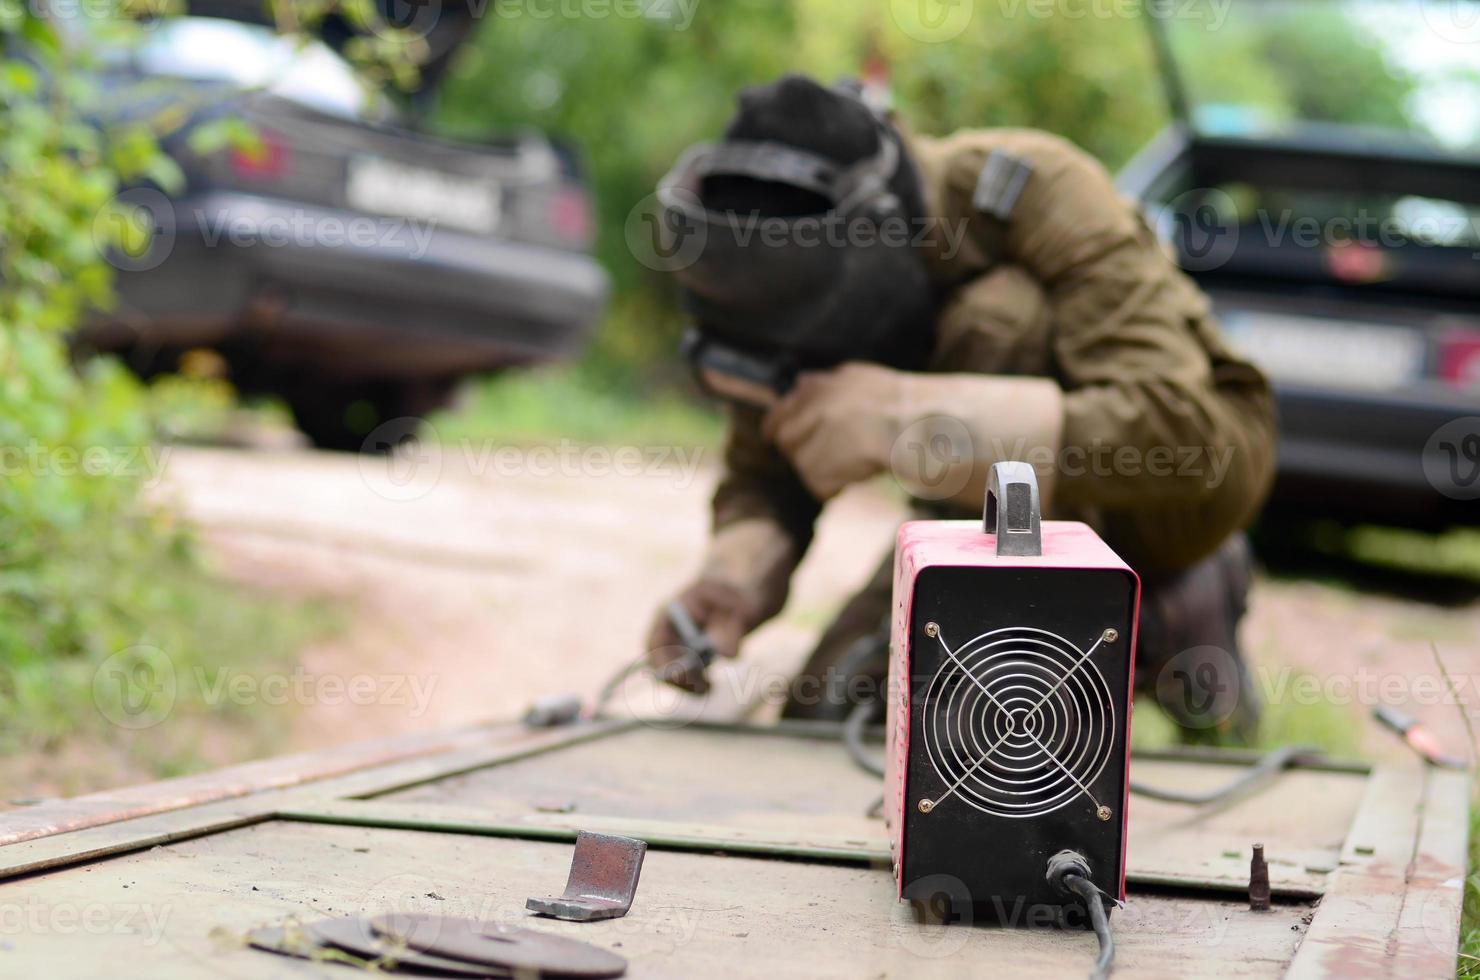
1268, 766
614, 684
853, 732
1087, 890
868, 650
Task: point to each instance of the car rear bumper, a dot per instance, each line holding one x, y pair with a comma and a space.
1360, 457
378, 292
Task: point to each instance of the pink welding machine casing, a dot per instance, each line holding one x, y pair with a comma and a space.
1009, 702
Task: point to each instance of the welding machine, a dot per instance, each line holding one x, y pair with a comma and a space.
1011, 664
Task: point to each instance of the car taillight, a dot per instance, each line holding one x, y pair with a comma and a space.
269, 159
1459, 358
570, 216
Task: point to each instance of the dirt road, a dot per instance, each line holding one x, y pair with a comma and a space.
479, 579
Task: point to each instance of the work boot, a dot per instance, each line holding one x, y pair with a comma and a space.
1188, 653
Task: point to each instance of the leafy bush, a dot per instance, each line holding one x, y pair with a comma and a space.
86, 567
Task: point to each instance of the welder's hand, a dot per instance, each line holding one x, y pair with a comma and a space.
838, 427
721, 611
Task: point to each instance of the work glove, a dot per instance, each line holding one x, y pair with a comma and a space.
717, 608
743, 583
938, 434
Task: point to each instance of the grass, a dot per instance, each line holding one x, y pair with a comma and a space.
572, 403
1329, 727
1469, 928
146, 701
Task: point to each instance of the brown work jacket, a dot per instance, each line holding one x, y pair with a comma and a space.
1168, 436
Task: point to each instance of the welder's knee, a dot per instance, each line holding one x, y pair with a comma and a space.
1236, 471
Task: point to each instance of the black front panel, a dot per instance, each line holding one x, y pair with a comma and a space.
1009, 730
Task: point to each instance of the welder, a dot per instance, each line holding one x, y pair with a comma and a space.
870, 301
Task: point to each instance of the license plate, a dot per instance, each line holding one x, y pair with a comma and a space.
1329, 353
435, 196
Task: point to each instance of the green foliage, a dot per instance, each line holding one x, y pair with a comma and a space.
87, 566
1294, 61
1326, 726
579, 404
1469, 930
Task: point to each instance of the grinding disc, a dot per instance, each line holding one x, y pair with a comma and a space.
510, 947
357, 937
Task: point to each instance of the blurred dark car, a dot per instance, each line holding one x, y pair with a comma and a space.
347, 262
1343, 258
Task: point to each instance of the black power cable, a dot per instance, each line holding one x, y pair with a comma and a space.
853, 734
1268, 766
1068, 871
1087, 890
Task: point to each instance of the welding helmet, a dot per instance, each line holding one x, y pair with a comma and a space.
795, 233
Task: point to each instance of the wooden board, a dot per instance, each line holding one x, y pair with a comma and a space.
805, 791
479, 825
696, 915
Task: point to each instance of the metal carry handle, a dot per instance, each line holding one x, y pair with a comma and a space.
1012, 510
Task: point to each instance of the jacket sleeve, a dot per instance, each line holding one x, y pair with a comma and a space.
763, 517
1144, 370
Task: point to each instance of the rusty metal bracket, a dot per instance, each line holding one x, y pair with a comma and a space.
602, 882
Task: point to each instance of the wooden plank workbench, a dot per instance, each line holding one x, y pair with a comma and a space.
762, 862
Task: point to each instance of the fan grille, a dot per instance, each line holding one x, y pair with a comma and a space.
1018, 722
